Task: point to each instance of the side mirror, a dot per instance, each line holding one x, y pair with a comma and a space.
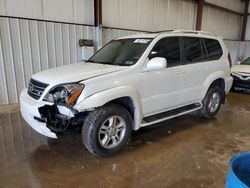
156, 63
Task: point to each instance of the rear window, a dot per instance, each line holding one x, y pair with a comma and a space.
193, 50
214, 49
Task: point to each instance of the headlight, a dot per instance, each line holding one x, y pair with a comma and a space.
64, 94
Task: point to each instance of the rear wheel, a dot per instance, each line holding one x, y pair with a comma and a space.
107, 130
212, 102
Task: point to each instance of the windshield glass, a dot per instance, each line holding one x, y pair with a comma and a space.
246, 61
124, 52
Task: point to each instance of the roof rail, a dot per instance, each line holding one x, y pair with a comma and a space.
194, 32
163, 31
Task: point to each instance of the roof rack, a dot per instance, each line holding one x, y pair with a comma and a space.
163, 31
194, 32
184, 31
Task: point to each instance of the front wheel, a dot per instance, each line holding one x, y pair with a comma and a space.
212, 102
107, 130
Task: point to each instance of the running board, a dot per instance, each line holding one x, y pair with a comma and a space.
170, 114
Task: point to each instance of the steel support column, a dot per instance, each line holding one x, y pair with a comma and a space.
244, 24
200, 4
98, 23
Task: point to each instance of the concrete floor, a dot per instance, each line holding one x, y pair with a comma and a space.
183, 152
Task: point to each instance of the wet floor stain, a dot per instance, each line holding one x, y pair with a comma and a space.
182, 152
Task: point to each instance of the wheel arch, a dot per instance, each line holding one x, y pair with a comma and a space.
218, 79
126, 96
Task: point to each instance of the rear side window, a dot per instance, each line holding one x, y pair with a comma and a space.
192, 50
213, 49
168, 48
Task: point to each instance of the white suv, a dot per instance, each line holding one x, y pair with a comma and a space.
132, 82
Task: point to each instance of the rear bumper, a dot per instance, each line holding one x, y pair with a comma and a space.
29, 110
244, 84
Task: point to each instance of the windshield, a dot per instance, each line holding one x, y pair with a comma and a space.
246, 61
124, 52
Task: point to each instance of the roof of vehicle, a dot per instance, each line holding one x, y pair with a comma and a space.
172, 32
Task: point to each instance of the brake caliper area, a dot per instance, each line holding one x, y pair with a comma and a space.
55, 121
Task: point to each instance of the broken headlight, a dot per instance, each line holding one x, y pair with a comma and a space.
64, 94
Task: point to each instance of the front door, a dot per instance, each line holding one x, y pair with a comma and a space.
164, 89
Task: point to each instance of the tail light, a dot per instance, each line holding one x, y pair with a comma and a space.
229, 60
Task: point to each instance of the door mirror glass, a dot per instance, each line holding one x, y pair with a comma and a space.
156, 63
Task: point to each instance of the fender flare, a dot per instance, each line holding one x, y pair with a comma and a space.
101, 98
210, 79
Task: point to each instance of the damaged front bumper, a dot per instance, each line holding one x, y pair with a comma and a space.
41, 115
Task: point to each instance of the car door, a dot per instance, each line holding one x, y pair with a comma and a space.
198, 65
164, 89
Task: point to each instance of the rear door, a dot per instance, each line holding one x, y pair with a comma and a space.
200, 57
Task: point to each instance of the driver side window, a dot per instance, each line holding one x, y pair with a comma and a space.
168, 48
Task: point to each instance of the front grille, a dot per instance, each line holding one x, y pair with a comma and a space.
36, 89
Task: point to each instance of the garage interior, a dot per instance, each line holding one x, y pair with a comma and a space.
187, 151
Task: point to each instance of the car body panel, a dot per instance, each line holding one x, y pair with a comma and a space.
104, 83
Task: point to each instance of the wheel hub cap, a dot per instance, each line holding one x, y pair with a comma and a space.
112, 132
214, 102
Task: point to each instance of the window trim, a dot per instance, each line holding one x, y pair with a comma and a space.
181, 51
204, 57
208, 57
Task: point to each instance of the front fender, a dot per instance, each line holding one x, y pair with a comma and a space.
101, 98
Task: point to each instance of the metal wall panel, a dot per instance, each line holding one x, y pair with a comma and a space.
29, 46
77, 11
235, 5
244, 50
234, 49
3, 85
247, 37
149, 15
109, 34
2, 7
8, 62
225, 24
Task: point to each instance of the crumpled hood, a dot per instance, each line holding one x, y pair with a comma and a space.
245, 69
75, 72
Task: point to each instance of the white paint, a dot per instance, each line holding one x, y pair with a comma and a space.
104, 83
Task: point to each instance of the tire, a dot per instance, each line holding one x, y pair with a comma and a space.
212, 102
102, 129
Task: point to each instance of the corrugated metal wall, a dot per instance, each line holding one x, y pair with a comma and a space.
149, 15
29, 46
108, 34
248, 26
223, 23
74, 11
155, 15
